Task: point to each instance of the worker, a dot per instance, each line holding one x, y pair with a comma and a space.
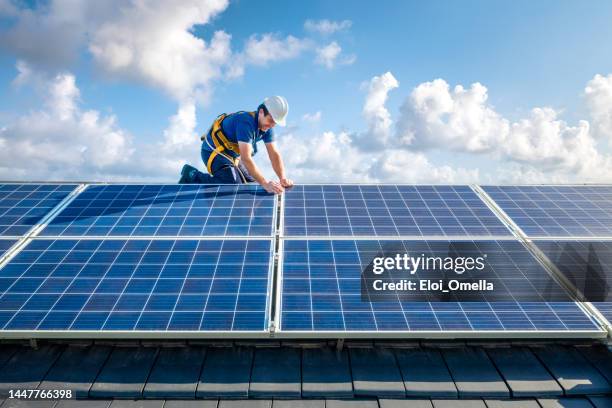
230, 143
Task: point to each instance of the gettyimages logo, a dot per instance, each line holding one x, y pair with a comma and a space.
412, 265
455, 271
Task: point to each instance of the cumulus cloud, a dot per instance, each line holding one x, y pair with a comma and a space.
350, 157
154, 42
402, 166
62, 140
436, 118
598, 94
33, 30
539, 147
327, 27
336, 157
266, 48
434, 115
330, 55
181, 131
375, 112
312, 117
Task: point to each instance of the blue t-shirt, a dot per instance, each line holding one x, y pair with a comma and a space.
242, 127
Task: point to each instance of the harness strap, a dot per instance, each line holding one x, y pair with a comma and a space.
222, 143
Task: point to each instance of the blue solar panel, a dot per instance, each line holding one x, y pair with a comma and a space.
137, 285
321, 291
24, 205
166, 211
388, 211
557, 211
5, 244
587, 265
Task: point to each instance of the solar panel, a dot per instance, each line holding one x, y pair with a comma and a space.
24, 205
321, 292
5, 244
137, 285
166, 211
557, 211
587, 265
388, 211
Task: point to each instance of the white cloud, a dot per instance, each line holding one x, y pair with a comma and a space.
312, 117
598, 94
539, 147
266, 48
63, 141
402, 166
461, 119
375, 113
153, 41
50, 34
8, 8
327, 27
181, 132
330, 55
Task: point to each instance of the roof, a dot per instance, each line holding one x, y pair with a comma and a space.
451, 374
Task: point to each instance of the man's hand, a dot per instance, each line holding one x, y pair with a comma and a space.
273, 187
285, 182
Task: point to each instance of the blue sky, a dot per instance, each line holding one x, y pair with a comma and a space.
527, 54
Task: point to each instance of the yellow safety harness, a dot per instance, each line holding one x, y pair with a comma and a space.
222, 143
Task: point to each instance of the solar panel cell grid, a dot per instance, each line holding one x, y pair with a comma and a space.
5, 244
352, 210
588, 265
563, 211
161, 285
166, 210
321, 291
24, 205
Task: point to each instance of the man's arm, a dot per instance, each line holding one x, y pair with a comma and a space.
247, 160
277, 164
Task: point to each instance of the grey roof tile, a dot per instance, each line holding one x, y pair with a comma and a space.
575, 374
326, 373
303, 403
405, 403
601, 402
82, 403
24, 403
519, 403
524, 373
474, 374
474, 403
6, 352
76, 370
226, 373
354, 403
376, 373
125, 373
191, 404
137, 404
27, 368
600, 357
245, 404
276, 373
564, 403
176, 373
425, 373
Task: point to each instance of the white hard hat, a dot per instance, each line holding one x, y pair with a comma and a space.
278, 108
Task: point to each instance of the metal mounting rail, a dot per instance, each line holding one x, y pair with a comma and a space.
40, 225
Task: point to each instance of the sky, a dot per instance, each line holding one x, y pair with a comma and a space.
412, 92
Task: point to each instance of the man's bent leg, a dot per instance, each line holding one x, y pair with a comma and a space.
191, 175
